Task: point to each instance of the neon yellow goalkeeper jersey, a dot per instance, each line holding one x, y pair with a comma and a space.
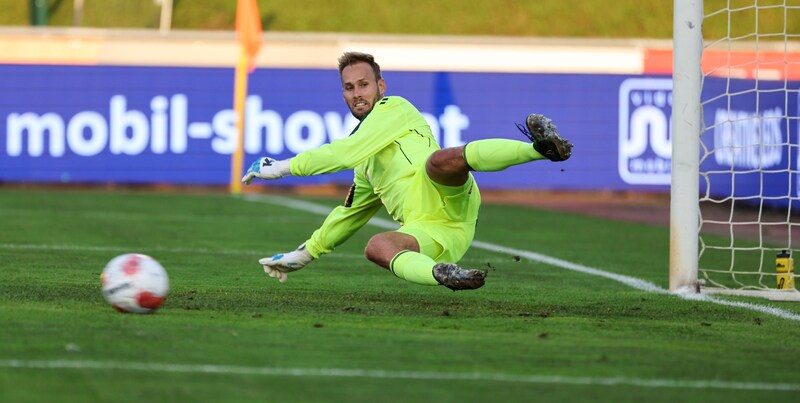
385, 150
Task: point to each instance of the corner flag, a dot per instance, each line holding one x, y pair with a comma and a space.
248, 29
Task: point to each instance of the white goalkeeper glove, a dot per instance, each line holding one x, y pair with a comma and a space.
280, 265
267, 168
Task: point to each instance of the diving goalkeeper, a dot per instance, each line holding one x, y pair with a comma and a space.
398, 165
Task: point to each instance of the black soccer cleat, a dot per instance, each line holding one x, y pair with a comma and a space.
546, 140
456, 278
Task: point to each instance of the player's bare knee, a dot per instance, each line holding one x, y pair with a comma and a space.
448, 167
373, 250
441, 162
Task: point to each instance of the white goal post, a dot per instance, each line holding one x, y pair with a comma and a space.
735, 140
686, 127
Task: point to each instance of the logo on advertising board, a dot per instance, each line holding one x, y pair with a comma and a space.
747, 140
645, 131
167, 129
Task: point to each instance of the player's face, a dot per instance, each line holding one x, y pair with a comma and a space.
361, 89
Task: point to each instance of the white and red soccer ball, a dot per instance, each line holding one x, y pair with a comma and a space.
135, 283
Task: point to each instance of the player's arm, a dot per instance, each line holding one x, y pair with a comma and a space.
374, 133
359, 207
340, 225
389, 120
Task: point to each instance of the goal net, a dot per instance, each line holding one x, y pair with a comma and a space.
747, 174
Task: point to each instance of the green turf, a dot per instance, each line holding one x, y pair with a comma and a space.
557, 331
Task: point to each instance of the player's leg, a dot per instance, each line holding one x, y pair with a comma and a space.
498, 154
402, 254
407, 256
439, 227
383, 247
439, 245
450, 166
399, 253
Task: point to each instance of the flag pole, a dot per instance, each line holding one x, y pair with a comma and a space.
248, 33
239, 96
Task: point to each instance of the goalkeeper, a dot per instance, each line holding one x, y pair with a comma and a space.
398, 165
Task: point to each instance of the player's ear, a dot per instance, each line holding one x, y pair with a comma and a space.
381, 87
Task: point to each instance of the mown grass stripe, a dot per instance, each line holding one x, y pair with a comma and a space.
394, 375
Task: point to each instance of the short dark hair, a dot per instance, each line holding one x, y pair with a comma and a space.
350, 58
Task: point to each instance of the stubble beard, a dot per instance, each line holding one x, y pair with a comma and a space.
364, 114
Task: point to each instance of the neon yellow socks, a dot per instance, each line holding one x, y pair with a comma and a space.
497, 154
482, 155
414, 267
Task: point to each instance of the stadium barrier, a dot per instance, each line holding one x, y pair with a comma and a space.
129, 106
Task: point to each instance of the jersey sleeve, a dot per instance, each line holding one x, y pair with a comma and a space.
361, 204
390, 119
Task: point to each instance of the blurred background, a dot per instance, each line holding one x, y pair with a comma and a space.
516, 18
524, 18
141, 91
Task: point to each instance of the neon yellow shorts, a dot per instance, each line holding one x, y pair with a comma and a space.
441, 218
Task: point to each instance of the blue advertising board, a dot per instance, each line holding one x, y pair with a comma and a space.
175, 125
751, 142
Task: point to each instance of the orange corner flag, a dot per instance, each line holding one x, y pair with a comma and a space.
248, 29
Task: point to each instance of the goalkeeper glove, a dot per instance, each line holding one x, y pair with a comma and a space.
267, 168
280, 265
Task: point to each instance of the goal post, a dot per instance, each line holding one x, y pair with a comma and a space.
735, 177
686, 129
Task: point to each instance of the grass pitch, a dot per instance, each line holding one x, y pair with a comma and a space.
345, 330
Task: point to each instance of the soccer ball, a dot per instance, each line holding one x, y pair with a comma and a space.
134, 283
